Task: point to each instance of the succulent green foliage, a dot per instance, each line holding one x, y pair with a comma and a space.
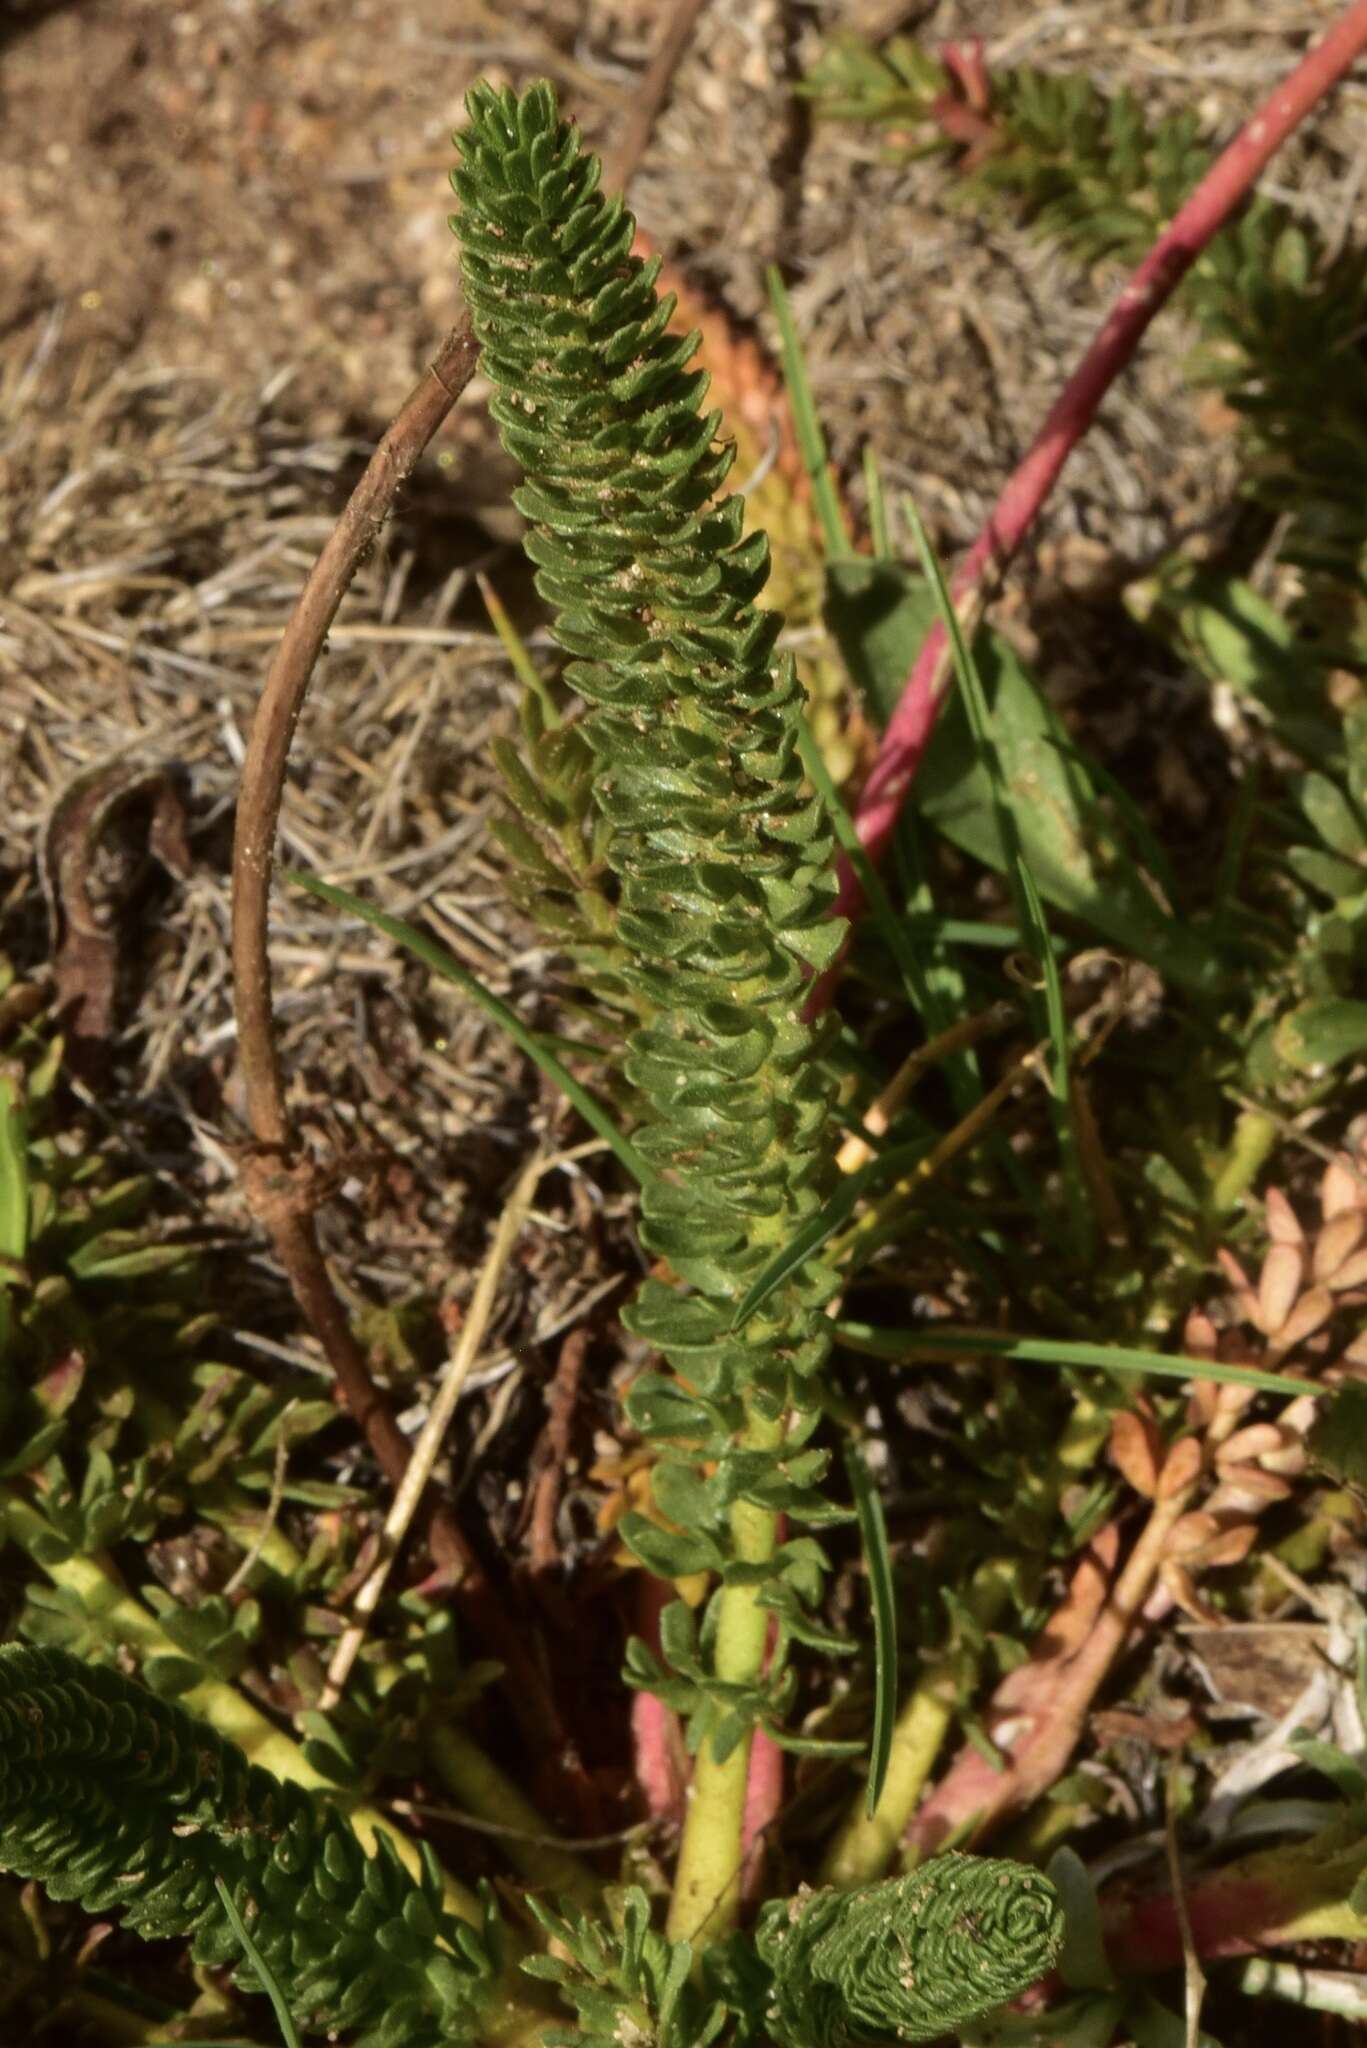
555, 842
85, 1277
106, 1393
719, 853
625, 1984
127, 1804
1294, 914
912, 1958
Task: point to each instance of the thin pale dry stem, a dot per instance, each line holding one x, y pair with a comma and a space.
878, 1117
1194, 1976
427, 1448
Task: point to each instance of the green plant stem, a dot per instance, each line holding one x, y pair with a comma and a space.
705, 1901
488, 1796
1255, 1138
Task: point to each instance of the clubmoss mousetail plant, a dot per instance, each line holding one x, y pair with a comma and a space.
722, 861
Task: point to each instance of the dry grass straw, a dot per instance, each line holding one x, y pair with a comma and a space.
156, 528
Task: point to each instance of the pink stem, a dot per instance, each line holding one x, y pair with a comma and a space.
656, 1741
763, 1803
1153, 283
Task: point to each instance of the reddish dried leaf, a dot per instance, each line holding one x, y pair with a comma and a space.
1137, 1451
1310, 1312
1279, 1284
1283, 1226
1334, 1244
1340, 1190
1181, 1469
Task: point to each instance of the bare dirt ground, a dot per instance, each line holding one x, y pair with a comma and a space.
225, 260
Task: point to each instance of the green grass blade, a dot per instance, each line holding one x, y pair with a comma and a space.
810, 439
878, 507
967, 931
439, 960
515, 647
823, 1226
1024, 890
874, 1537
258, 1963
891, 927
14, 1182
903, 1347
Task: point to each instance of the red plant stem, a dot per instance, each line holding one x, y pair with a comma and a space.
1222, 189
661, 1766
763, 1804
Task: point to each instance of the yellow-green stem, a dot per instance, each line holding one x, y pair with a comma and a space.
469, 1774
519, 1830
867, 1845
1255, 1136
706, 1899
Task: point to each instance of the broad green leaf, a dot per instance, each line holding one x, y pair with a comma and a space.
1082, 1963
1341, 1770
1333, 816
1007, 809
880, 613
1153, 2026
1338, 879
1322, 1033
1338, 1440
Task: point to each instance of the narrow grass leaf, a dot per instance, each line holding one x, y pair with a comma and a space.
1025, 893
259, 1964
891, 927
823, 1226
878, 507
903, 1346
14, 1182
515, 647
810, 439
878, 1563
439, 960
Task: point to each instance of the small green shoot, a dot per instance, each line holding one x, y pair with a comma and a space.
14, 1179
879, 533
515, 647
891, 927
